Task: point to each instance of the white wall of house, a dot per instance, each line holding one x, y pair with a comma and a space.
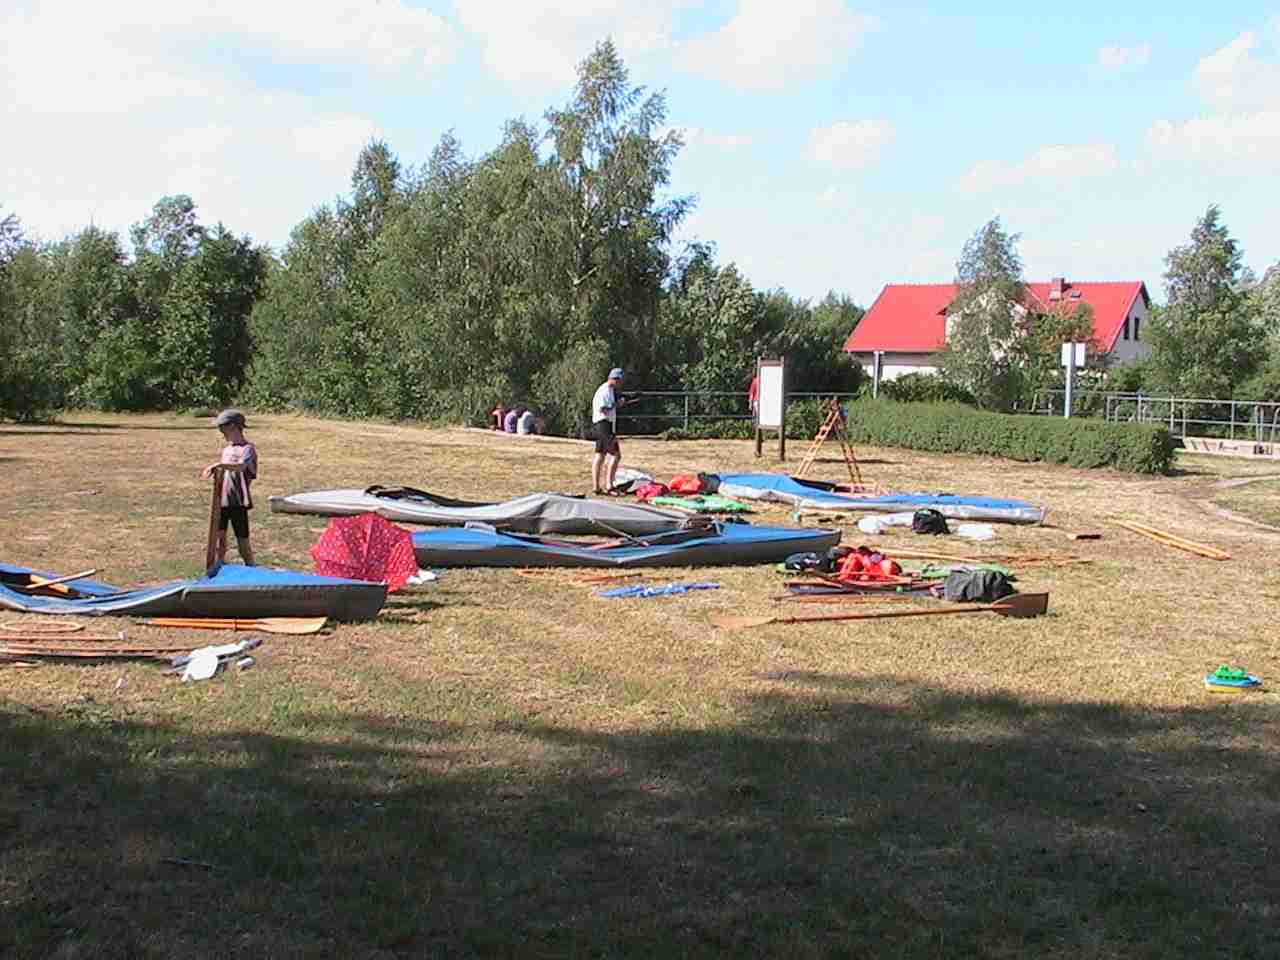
894, 365
1133, 343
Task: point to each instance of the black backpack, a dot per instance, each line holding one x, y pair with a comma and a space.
929, 521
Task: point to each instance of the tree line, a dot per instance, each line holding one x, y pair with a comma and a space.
520, 276
431, 291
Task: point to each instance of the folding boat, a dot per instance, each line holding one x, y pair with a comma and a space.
534, 513
700, 544
812, 494
234, 591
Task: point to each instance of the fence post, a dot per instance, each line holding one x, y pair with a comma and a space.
1233, 419
686, 410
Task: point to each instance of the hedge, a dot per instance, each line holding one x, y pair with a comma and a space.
954, 428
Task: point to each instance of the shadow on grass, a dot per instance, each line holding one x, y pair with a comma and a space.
89, 429
840, 815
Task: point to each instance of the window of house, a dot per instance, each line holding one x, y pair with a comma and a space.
1126, 328
1135, 328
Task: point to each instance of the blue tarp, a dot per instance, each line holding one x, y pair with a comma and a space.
781, 488
234, 591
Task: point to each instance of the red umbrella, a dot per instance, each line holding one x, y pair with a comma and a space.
366, 547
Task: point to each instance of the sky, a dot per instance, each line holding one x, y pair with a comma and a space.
830, 145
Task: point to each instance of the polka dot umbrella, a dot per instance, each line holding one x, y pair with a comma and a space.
366, 547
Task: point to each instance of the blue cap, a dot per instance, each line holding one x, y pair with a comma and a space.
616, 373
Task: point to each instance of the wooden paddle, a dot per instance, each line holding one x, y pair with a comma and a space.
39, 636
1016, 605
293, 625
39, 583
211, 562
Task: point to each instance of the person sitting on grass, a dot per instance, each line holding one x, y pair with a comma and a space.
238, 468
497, 415
530, 422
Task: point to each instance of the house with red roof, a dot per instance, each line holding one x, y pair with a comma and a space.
907, 324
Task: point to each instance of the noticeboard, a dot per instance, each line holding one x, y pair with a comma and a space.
771, 394
771, 404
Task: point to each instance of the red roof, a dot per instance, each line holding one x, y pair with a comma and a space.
912, 317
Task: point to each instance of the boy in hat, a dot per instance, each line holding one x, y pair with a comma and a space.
238, 468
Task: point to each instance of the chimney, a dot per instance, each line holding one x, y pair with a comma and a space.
1055, 287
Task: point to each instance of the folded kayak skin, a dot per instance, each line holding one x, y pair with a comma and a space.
234, 591
702, 545
533, 513
811, 494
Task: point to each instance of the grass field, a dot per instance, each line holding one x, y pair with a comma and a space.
500, 766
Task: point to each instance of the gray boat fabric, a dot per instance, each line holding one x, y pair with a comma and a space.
540, 513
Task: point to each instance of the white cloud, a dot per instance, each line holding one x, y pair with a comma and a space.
118, 106
1230, 142
769, 45
1240, 133
695, 137
850, 144
1233, 77
534, 46
1115, 56
1051, 164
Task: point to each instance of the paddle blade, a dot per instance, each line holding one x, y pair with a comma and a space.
1022, 605
730, 622
293, 625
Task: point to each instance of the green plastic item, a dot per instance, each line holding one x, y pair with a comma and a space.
1230, 673
703, 503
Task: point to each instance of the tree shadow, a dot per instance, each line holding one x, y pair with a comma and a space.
838, 815
81, 428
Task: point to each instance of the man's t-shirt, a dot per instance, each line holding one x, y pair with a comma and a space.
509, 421
604, 405
235, 484
525, 423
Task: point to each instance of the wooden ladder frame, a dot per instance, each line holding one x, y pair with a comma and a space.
834, 423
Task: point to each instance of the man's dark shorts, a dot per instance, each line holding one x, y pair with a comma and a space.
238, 517
606, 442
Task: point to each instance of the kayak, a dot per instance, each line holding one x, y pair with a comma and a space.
533, 513
708, 544
813, 494
233, 591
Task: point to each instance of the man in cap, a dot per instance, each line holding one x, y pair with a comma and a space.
604, 423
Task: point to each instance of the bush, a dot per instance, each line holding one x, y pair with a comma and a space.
563, 391
952, 428
925, 388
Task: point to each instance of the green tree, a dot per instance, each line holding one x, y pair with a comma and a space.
600, 212
981, 322
1207, 339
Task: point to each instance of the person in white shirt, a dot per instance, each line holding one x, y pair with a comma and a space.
604, 420
528, 422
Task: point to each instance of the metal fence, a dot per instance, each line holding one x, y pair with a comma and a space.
656, 410
1254, 420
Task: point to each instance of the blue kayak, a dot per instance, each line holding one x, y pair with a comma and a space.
712, 544
813, 494
234, 591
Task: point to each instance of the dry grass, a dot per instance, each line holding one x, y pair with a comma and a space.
500, 765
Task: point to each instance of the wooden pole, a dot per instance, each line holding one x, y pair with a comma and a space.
211, 560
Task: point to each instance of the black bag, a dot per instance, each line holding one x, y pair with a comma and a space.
929, 521
976, 586
802, 561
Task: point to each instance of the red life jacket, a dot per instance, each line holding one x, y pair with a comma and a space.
685, 483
